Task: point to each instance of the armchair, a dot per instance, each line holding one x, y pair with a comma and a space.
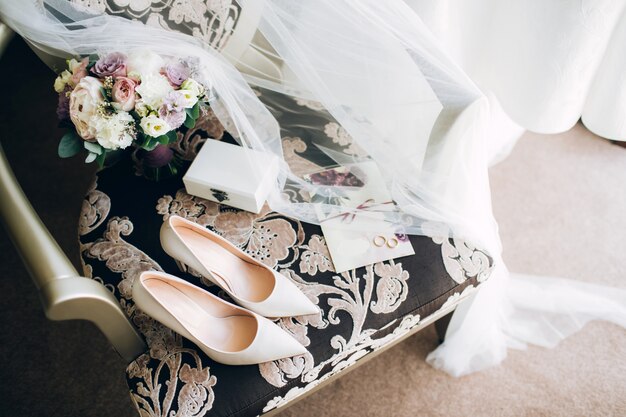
429, 285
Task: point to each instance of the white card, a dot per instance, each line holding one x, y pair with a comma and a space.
356, 240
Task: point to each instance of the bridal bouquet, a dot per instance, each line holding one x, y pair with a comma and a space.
116, 101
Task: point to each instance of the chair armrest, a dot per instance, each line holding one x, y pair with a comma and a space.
64, 293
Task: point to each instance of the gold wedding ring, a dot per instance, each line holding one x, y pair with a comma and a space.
380, 240
392, 243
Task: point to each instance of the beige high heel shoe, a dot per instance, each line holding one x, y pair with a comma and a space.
226, 333
250, 283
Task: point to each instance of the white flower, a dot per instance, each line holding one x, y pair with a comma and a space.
141, 108
154, 126
193, 86
112, 132
135, 76
143, 62
62, 80
153, 89
184, 98
73, 64
84, 102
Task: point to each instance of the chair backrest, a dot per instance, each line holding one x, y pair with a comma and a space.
224, 25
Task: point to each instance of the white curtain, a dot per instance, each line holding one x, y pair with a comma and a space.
544, 64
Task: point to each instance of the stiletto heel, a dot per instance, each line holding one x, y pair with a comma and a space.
226, 333
250, 283
181, 266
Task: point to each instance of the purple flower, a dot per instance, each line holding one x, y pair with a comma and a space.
111, 65
176, 72
63, 105
401, 237
333, 177
174, 101
173, 110
158, 157
173, 118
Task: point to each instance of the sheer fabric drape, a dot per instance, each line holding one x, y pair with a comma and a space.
380, 72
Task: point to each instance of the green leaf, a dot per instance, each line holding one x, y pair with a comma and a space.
103, 92
150, 143
93, 58
172, 136
91, 157
142, 139
194, 112
70, 145
163, 139
190, 122
94, 148
100, 159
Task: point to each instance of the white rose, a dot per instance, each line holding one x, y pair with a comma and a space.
62, 80
153, 89
154, 126
143, 61
84, 102
112, 132
194, 86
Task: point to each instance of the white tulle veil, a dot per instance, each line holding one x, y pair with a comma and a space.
375, 67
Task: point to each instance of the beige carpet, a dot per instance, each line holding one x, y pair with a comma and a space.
561, 203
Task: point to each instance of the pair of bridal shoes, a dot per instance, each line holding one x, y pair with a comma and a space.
227, 333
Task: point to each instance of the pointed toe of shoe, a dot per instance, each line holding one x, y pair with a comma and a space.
301, 305
286, 300
296, 303
274, 343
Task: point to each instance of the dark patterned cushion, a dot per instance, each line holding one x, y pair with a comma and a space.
361, 310
212, 22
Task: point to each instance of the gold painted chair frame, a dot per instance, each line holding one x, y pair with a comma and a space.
65, 294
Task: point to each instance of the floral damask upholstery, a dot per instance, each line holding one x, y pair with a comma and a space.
361, 310
212, 21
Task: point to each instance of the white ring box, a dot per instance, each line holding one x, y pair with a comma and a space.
233, 175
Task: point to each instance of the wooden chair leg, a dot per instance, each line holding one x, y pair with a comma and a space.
441, 326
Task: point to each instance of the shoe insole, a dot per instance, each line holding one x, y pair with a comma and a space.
229, 334
248, 281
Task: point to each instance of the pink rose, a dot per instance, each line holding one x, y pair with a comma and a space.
79, 70
84, 102
124, 93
